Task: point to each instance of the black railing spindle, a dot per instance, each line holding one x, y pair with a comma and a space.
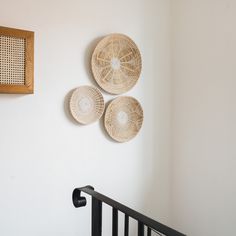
96, 217
126, 225
140, 229
114, 222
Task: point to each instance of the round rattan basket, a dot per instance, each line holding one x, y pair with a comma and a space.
86, 104
123, 118
116, 63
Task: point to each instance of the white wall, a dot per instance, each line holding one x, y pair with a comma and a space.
44, 154
204, 115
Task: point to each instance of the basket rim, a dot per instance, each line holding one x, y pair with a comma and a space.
82, 121
93, 55
106, 113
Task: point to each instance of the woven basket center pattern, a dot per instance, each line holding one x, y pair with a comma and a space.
116, 63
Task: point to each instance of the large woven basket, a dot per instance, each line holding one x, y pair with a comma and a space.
86, 104
123, 118
116, 63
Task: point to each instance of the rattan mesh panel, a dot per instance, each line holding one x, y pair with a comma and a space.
12, 60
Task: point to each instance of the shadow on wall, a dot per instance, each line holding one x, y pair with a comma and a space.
156, 153
87, 64
7, 96
87, 61
67, 108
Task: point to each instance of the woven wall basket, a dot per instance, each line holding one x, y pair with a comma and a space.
116, 63
123, 118
86, 104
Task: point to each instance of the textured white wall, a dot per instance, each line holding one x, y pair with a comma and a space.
204, 114
44, 154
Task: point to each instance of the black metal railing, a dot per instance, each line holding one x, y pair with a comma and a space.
143, 221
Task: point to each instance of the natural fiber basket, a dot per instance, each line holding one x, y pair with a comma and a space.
123, 118
86, 104
116, 63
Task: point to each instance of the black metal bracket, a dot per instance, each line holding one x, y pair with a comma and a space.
77, 200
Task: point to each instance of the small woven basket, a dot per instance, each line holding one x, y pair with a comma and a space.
86, 104
123, 118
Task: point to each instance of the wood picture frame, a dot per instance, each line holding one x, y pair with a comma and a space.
16, 61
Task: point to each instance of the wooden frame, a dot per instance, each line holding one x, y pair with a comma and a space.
28, 86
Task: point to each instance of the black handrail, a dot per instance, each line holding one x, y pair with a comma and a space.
98, 199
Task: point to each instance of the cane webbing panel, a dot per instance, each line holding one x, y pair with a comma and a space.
12, 60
